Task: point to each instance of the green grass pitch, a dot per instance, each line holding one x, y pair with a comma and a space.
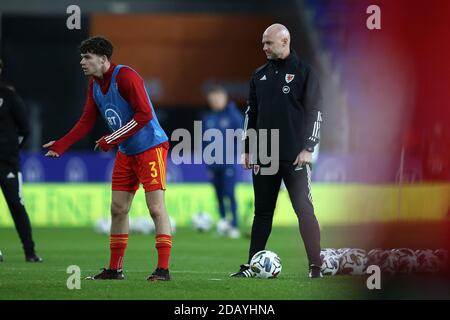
200, 266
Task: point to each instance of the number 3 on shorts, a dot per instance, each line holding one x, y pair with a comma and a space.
153, 171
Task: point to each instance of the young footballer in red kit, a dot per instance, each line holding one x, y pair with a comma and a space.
117, 94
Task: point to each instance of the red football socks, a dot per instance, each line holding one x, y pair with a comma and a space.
117, 245
163, 245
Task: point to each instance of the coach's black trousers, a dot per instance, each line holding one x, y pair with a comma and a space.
266, 188
10, 181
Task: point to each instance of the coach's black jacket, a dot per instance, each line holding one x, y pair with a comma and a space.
14, 126
285, 95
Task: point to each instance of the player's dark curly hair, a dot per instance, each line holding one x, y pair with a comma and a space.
97, 45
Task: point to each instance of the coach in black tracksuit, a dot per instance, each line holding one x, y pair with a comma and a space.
284, 95
14, 129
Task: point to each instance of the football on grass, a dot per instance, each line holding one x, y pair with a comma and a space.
265, 264
202, 222
427, 261
353, 262
406, 261
330, 261
442, 256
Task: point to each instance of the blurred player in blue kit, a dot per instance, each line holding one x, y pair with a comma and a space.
224, 115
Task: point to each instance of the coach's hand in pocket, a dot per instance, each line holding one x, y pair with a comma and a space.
303, 158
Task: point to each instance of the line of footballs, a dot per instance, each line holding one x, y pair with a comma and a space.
400, 261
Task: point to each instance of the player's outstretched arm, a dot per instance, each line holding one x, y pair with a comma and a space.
80, 129
50, 153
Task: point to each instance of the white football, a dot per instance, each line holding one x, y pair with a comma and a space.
144, 225
103, 226
442, 255
330, 261
406, 262
202, 222
388, 263
265, 264
331, 251
341, 251
374, 256
427, 261
353, 262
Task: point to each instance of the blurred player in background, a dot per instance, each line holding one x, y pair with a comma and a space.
284, 95
14, 130
224, 115
117, 94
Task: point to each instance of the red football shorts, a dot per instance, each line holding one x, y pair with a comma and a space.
148, 168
